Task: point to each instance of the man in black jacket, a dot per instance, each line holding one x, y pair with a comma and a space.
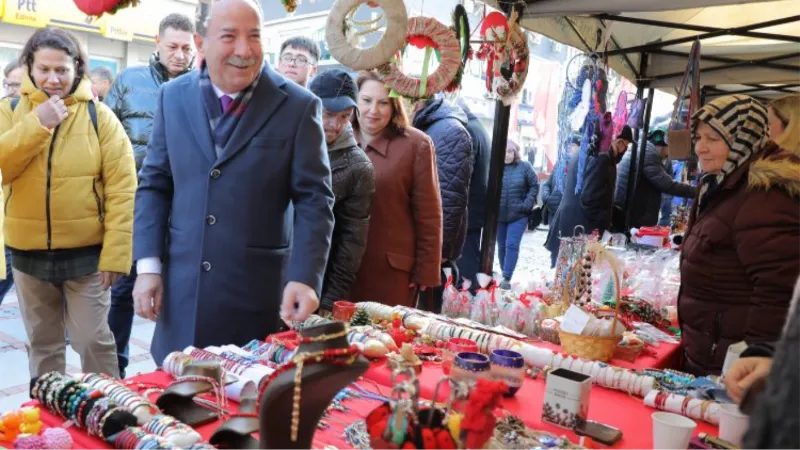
470, 260
133, 98
353, 184
446, 126
646, 203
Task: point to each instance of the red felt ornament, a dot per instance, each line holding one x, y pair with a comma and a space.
421, 42
100, 7
479, 420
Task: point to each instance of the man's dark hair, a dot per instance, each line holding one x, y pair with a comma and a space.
56, 39
104, 73
176, 22
302, 43
10, 67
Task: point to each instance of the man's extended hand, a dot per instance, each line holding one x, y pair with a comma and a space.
743, 373
109, 278
148, 292
299, 302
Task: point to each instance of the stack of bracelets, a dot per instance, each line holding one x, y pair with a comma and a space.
135, 438
87, 408
140, 406
172, 430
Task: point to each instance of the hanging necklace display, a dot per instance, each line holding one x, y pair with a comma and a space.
344, 51
429, 34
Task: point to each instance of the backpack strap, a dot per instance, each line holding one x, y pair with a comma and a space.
93, 116
14, 103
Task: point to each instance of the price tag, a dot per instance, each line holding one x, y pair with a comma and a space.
575, 320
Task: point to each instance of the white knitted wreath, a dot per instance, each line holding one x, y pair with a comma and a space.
449, 63
393, 39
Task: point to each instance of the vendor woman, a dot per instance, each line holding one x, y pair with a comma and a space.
741, 253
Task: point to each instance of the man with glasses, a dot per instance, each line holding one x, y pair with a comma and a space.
298, 59
12, 78
353, 184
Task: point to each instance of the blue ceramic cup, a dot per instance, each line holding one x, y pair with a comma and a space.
469, 366
508, 366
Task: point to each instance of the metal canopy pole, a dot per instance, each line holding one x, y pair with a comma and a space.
502, 115
753, 62
722, 59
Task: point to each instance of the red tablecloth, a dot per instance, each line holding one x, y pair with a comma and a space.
614, 408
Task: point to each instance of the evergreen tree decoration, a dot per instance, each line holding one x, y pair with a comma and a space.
608, 293
360, 318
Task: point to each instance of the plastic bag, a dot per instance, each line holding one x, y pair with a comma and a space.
514, 313
484, 308
451, 307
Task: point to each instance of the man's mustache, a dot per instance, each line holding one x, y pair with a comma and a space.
241, 63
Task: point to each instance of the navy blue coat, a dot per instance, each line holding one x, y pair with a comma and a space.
446, 126
520, 190
228, 220
479, 184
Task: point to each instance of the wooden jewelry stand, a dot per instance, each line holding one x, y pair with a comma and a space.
320, 383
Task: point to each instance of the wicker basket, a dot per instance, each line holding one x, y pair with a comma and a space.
628, 352
596, 348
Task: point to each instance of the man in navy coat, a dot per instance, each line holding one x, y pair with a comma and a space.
232, 145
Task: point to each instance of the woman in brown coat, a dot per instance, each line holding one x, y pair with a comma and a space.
741, 253
404, 246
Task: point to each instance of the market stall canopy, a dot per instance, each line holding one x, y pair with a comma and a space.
747, 46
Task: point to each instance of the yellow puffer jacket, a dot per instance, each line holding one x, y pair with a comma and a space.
75, 192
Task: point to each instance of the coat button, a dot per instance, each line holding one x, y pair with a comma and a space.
211, 220
215, 173
206, 266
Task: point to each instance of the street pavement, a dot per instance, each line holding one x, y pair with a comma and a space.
14, 375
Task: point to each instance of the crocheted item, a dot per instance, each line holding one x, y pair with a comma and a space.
393, 39
30, 442
428, 33
57, 438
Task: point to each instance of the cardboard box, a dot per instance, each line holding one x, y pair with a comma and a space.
566, 398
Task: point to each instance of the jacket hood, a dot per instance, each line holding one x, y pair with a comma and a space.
464, 107
83, 93
161, 72
345, 140
437, 109
776, 167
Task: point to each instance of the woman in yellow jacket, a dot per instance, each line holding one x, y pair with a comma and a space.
70, 180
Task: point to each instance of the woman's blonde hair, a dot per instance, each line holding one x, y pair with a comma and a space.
787, 108
517, 151
399, 121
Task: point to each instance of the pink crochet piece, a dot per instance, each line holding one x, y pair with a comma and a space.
30, 442
57, 438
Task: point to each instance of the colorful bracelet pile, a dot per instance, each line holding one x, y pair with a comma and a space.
87, 408
141, 407
177, 433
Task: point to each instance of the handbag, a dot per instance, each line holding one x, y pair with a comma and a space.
636, 114
679, 135
535, 218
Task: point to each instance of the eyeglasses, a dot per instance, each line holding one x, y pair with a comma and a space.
7, 85
299, 61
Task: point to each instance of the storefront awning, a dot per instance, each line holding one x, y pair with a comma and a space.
746, 46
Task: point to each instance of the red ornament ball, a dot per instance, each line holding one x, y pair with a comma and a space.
96, 7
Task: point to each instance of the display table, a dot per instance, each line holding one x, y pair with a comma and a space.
614, 408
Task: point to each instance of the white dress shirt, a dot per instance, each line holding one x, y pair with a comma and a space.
152, 264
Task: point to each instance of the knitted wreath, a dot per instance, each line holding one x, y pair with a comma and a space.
391, 42
432, 35
462, 32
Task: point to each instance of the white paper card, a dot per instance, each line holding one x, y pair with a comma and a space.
575, 320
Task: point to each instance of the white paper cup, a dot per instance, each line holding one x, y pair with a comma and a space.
732, 424
672, 431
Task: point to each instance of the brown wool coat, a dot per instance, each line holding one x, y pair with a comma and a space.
740, 260
405, 230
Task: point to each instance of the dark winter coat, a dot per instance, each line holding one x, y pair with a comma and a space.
590, 209
481, 151
646, 204
776, 419
740, 260
446, 126
551, 199
133, 98
353, 189
520, 190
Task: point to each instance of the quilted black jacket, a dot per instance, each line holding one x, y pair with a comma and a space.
353, 189
520, 189
481, 151
133, 98
655, 181
446, 126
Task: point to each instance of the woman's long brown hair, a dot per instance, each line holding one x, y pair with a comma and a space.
399, 121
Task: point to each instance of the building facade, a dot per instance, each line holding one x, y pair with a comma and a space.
119, 41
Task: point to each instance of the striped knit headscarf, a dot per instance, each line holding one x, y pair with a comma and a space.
742, 123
